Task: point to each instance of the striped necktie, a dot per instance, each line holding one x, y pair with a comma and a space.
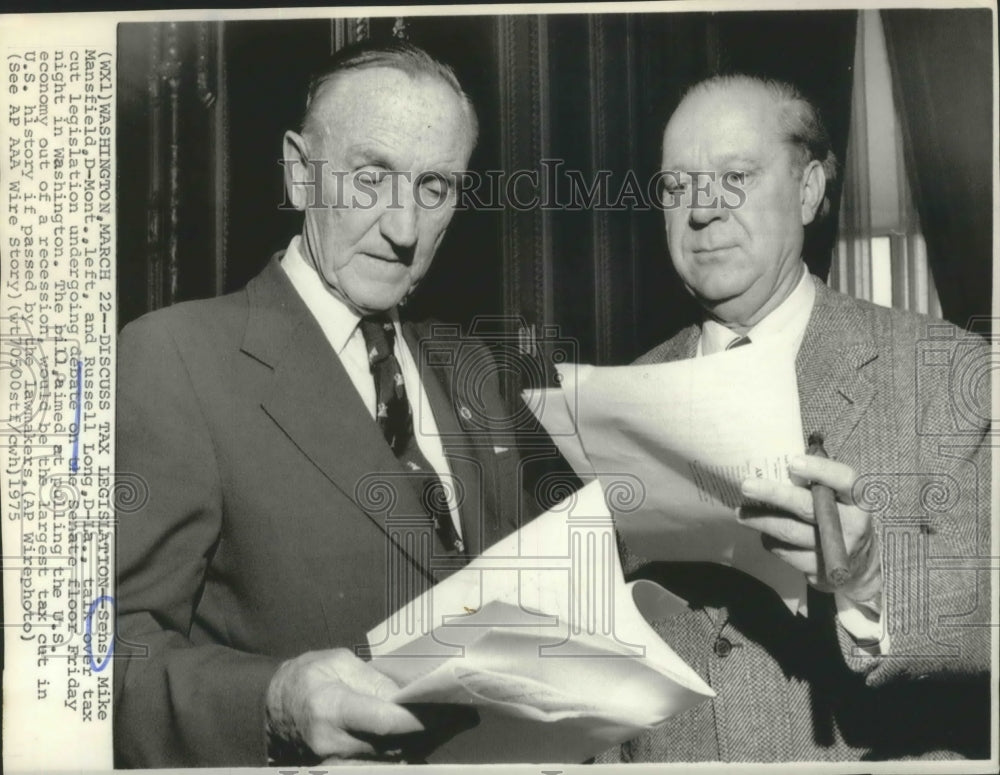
395, 418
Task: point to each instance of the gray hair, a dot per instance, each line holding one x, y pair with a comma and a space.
396, 54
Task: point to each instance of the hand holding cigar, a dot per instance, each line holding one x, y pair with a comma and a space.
816, 527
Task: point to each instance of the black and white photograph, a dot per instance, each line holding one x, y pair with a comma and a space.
554, 387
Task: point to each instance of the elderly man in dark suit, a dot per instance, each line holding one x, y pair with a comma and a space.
893, 663
307, 472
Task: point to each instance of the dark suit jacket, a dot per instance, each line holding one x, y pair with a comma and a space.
265, 534
895, 396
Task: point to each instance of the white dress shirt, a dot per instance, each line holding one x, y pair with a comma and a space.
339, 324
785, 327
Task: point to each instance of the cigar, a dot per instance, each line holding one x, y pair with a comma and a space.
831, 536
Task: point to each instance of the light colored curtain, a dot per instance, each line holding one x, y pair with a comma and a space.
880, 254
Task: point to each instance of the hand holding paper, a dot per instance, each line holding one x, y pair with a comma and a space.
788, 525
689, 432
543, 637
335, 706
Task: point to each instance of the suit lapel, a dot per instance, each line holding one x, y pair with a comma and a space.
835, 389
315, 403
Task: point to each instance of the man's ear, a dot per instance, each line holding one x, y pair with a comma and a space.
299, 182
813, 187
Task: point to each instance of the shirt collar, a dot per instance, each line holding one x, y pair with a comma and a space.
785, 325
337, 320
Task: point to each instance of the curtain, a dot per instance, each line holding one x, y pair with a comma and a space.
942, 68
881, 254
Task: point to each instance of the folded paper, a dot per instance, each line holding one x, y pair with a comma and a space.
544, 637
675, 440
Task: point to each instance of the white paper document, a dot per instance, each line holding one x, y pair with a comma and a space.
542, 635
674, 440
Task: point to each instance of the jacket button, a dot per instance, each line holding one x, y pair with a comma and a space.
722, 647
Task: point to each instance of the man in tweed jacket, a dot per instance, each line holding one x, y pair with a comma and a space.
895, 664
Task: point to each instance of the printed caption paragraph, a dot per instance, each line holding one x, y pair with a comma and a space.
58, 333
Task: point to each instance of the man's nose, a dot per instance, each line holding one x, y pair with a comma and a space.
707, 205
399, 219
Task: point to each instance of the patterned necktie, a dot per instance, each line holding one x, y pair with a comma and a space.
738, 342
395, 418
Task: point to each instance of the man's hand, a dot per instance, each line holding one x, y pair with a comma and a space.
788, 525
336, 706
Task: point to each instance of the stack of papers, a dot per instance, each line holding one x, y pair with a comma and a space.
678, 438
544, 637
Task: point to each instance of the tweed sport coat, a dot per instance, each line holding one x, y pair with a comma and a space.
895, 395
257, 543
